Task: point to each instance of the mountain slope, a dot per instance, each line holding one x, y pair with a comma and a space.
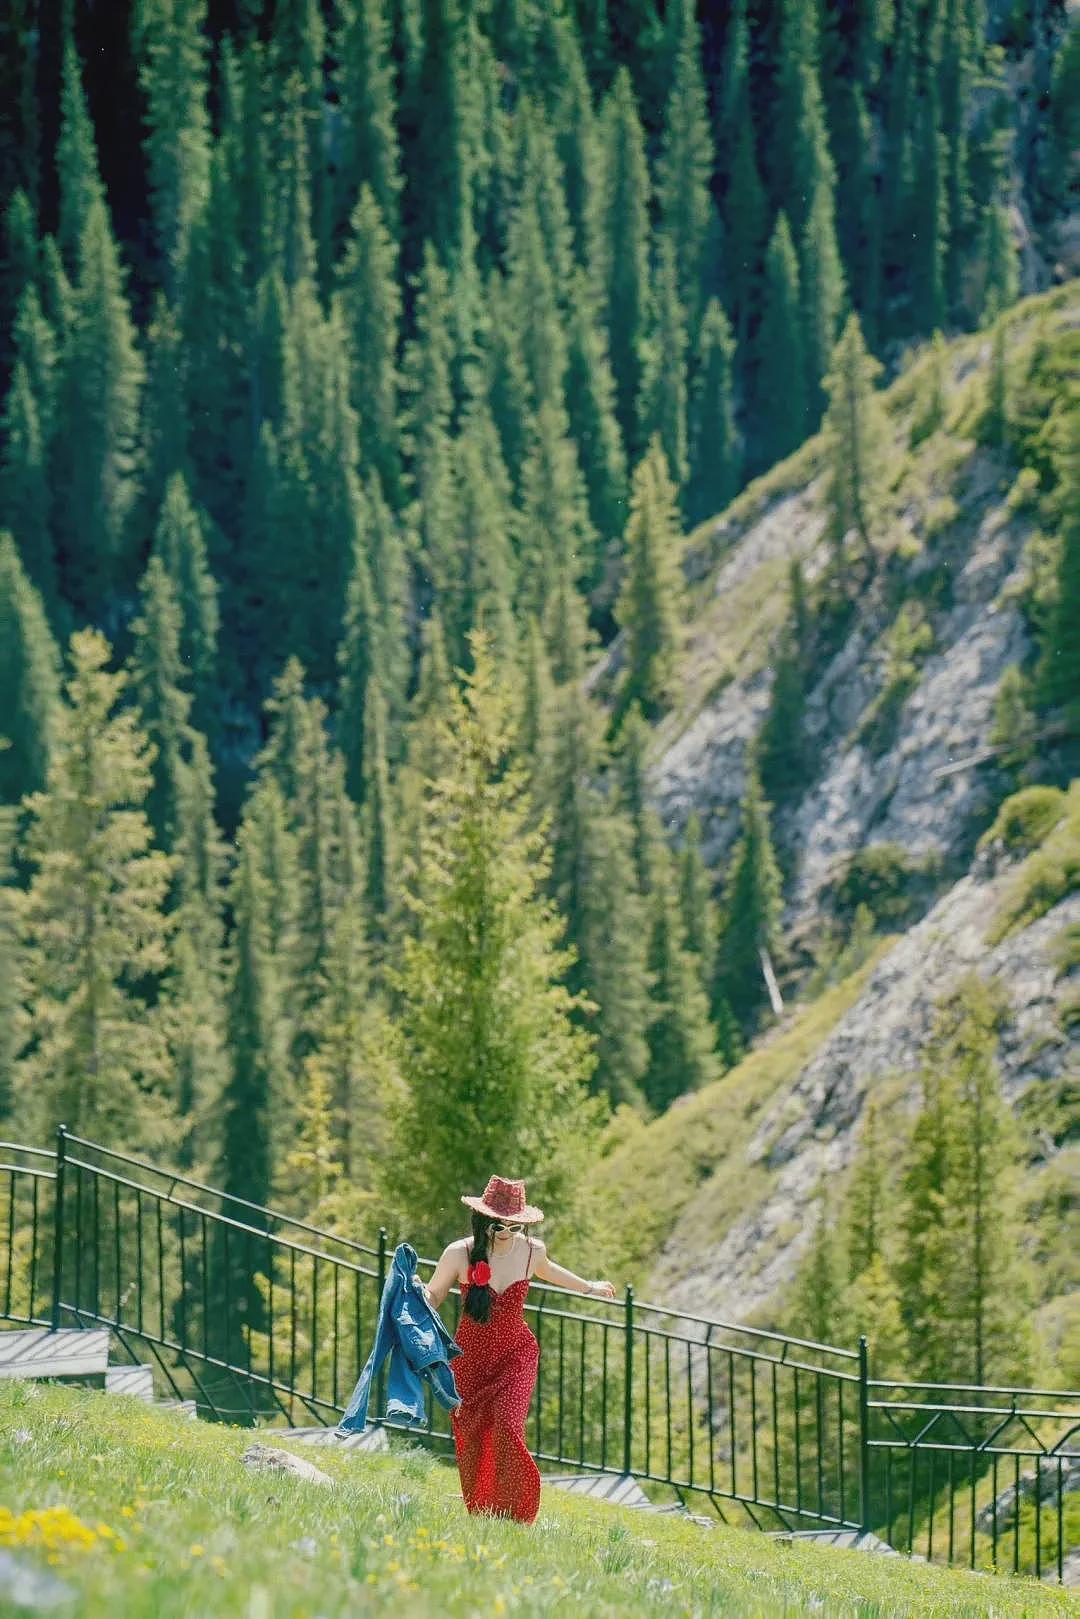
736, 1168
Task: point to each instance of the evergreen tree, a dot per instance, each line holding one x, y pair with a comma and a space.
535, 721
622, 267
681, 1042
751, 918
161, 692
963, 1285
379, 844
371, 303
714, 449
590, 401
782, 751
1001, 272
857, 438
782, 404
483, 591
557, 536
194, 994
799, 141
631, 766
170, 46
81, 191
686, 163
96, 1058
662, 411
928, 207
12, 1010
821, 284
25, 494
1060, 667
484, 1033
651, 606
370, 158
820, 1293
746, 233
180, 543
98, 423
255, 1104
696, 904
592, 880
164, 435
20, 261
438, 200
29, 681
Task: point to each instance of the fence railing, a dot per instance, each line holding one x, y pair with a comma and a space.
259, 1315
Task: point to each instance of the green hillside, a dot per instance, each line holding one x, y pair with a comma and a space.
145, 1515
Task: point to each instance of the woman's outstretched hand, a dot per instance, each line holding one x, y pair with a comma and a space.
604, 1290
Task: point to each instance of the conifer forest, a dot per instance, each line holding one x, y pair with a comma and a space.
389, 390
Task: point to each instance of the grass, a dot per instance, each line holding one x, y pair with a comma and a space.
691, 1161
148, 1516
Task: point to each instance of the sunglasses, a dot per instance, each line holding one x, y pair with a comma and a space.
501, 1225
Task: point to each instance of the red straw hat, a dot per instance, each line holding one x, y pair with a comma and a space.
505, 1200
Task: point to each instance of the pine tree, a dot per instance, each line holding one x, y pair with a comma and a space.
696, 904
651, 607
746, 232
29, 681
963, 1285
12, 1011
97, 423
714, 449
25, 493
557, 535
821, 284
857, 438
782, 751
1001, 275
81, 191
1059, 673
686, 163
484, 1032
631, 766
380, 844
751, 917
255, 1102
781, 396
622, 268
928, 205
590, 402
371, 303
535, 720
438, 202
662, 410
681, 1042
95, 1058
482, 594
819, 1305
20, 262
180, 543
160, 689
370, 158
194, 991
170, 45
592, 881
799, 140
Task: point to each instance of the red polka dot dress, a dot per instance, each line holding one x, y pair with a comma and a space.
495, 1376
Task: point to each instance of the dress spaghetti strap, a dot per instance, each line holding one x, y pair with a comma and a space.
528, 1262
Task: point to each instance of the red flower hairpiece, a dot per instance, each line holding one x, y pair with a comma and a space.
479, 1274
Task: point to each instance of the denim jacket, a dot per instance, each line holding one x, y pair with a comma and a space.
418, 1344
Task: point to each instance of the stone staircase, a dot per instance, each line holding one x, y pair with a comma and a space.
72, 1354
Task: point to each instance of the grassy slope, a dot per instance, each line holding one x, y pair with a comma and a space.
178, 1527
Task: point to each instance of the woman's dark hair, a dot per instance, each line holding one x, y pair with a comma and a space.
478, 1299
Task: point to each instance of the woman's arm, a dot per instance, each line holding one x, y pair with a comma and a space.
449, 1270
548, 1271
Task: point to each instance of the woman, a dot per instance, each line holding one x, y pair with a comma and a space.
496, 1371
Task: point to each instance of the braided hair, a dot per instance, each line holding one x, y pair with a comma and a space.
477, 1297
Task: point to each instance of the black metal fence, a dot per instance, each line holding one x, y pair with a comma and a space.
258, 1316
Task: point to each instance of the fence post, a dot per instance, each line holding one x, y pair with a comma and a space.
380, 1384
864, 1437
628, 1375
58, 1224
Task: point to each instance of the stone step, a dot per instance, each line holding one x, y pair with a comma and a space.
68, 1352
186, 1408
372, 1438
137, 1381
